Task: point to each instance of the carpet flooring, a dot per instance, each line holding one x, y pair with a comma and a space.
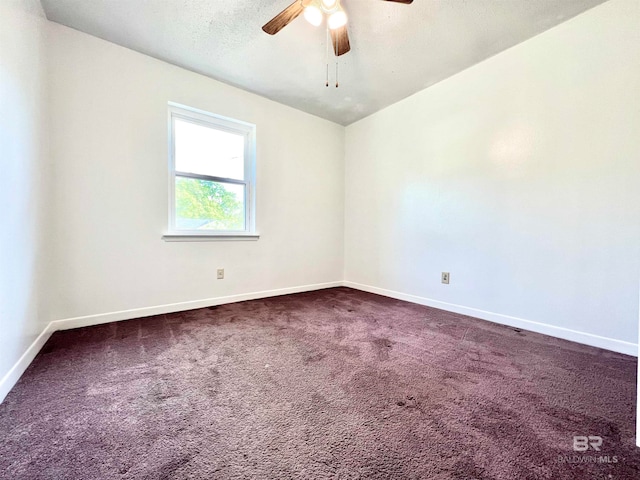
334, 384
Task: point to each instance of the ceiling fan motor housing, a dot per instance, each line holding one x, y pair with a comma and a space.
314, 12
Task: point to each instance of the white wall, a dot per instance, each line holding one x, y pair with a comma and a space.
521, 177
109, 147
23, 181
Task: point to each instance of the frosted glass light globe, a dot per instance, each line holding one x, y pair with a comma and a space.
337, 19
329, 4
313, 15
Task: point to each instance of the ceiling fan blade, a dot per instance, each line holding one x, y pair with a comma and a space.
284, 18
400, 1
340, 38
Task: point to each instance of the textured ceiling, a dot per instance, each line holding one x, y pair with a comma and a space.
397, 49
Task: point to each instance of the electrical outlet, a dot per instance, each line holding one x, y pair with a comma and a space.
445, 277
220, 273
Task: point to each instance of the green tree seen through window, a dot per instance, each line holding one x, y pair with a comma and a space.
205, 204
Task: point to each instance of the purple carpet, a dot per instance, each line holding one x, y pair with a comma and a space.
334, 384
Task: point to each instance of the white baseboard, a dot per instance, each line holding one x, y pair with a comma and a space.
590, 339
13, 375
98, 319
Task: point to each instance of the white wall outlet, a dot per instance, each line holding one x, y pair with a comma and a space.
445, 277
220, 273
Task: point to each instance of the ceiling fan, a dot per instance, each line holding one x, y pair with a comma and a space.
314, 13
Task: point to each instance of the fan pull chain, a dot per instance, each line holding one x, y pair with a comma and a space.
336, 48
336, 52
327, 57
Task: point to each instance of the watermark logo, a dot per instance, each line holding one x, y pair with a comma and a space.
588, 443
582, 444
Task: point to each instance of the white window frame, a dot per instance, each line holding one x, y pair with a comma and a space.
206, 119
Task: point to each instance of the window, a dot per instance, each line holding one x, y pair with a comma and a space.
211, 174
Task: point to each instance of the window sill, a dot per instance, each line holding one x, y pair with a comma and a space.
209, 237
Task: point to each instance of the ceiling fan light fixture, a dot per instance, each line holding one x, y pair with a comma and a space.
337, 19
313, 15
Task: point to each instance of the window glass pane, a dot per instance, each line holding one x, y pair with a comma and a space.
206, 205
208, 151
